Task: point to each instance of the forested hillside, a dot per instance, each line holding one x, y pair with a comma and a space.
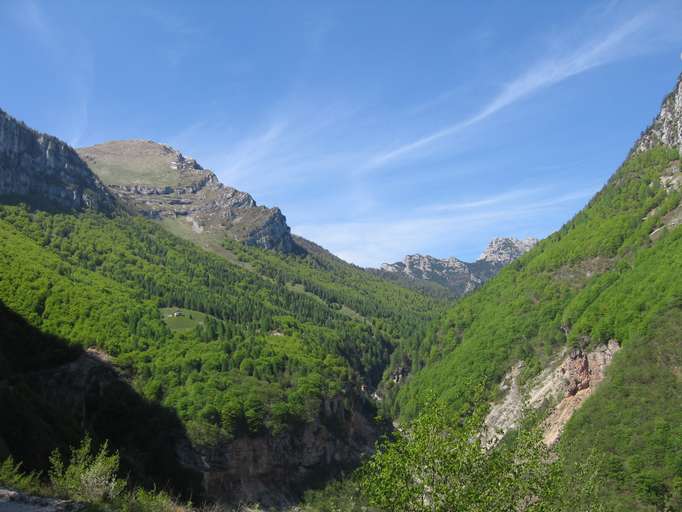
273, 341
612, 272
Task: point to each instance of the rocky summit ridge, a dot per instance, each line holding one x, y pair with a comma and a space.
502, 251
666, 129
458, 276
159, 182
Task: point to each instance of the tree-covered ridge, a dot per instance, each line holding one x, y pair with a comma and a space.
402, 316
601, 276
264, 358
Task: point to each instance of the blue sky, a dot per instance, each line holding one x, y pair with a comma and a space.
379, 128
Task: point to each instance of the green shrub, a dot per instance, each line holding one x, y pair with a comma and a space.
90, 477
437, 464
12, 476
142, 500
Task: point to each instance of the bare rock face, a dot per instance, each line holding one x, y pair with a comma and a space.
273, 470
456, 275
565, 384
44, 171
13, 501
667, 127
159, 182
502, 251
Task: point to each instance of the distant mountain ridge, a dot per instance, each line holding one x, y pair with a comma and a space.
452, 274
159, 182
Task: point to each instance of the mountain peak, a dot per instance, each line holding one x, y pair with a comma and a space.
142, 162
667, 127
455, 275
159, 182
503, 250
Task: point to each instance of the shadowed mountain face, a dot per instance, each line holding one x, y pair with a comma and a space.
57, 392
44, 171
157, 181
454, 277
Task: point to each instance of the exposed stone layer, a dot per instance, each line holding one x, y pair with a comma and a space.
159, 182
42, 170
564, 385
666, 129
273, 469
14, 501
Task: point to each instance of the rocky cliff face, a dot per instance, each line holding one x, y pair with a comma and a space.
275, 470
458, 276
93, 396
271, 470
46, 172
502, 251
564, 386
667, 127
159, 182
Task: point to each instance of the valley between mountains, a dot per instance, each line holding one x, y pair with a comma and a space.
147, 305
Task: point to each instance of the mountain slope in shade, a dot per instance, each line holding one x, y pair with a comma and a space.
159, 182
454, 277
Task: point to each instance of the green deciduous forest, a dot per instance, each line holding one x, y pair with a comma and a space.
274, 343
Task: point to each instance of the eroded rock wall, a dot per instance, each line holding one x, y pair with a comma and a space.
274, 470
564, 385
41, 169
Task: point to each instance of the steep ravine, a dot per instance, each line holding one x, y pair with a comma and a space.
90, 393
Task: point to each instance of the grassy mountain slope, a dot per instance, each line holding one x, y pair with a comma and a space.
601, 276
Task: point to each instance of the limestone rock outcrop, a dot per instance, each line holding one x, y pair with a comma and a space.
666, 129
159, 182
273, 470
44, 171
458, 276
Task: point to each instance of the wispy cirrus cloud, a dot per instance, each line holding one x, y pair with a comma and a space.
293, 146
624, 40
372, 242
494, 200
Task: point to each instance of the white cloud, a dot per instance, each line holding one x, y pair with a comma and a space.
373, 242
297, 144
485, 201
623, 41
